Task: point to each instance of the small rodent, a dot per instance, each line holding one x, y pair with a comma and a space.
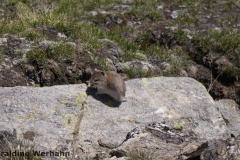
110, 83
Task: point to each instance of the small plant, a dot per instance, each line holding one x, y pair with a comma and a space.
37, 85
210, 3
223, 40
230, 5
179, 34
31, 35
232, 71
204, 43
57, 51
185, 19
147, 9
138, 155
132, 73
1, 55
16, 149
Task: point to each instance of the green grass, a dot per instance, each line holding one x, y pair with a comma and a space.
231, 71
1, 55
223, 40
72, 18
24, 148
230, 4
179, 35
32, 35
183, 2
138, 155
59, 52
147, 9
132, 73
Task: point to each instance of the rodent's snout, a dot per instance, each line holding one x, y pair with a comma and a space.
91, 84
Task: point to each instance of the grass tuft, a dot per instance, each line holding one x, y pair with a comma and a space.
138, 155
60, 52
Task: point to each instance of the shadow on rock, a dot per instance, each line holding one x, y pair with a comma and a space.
104, 98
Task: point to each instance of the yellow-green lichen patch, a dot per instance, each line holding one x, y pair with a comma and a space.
20, 116
153, 104
89, 111
63, 157
154, 94
145, 82
178, 126
32, 117
53, 111
81, 99
200, 84
174, 115
63, 104
70, 121
174, 95
157, 78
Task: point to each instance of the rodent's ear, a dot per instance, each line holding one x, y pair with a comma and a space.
103, 73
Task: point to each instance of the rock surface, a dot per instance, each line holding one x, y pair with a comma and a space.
222, 149
50, 118
155, 137
230, 113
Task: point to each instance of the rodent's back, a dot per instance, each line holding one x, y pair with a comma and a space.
115, 82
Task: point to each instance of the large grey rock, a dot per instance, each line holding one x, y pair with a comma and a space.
48, 113
52, 117
231, 114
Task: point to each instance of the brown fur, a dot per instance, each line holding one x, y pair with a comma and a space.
109, 82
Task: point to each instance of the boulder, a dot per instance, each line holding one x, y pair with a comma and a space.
73, 120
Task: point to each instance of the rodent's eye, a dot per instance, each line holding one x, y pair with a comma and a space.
96, 80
